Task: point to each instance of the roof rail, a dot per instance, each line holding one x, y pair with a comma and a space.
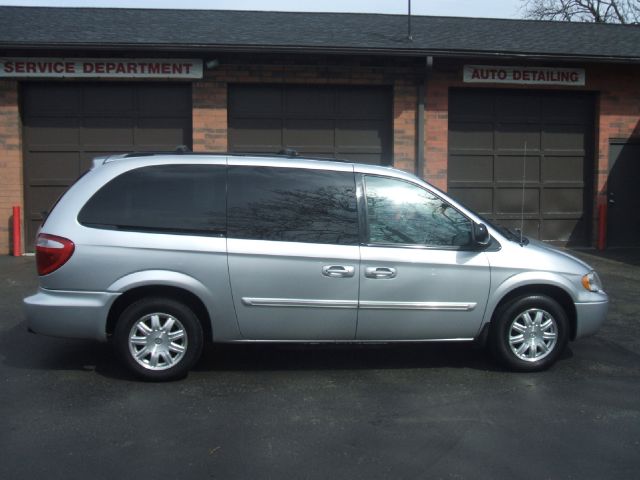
184, 150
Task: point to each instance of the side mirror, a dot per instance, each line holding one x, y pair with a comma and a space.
480, 235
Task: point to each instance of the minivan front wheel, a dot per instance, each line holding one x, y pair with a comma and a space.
158, 339
529, 333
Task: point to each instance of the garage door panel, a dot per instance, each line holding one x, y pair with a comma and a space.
51, 99
471, 136
109, 100
46, 167
557, 129
468, 106
564, 138
513, 168
45, 132
309, 133
164, 101
565, 169
563, 201
471, 168
566, 108
510, 200
518, 108
516, 136
357, 102
309, 102
480, 198
169, 132
107, 131
256, 101
365, 134
254, 134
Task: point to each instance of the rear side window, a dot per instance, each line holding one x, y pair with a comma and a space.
162, 198
292, 205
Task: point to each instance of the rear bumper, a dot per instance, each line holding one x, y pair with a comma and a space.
590, 317
69, 314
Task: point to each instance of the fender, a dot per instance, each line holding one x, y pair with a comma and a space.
524, 279
220, 309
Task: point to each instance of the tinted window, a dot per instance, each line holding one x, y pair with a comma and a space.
171, 198
402, 213
292, 205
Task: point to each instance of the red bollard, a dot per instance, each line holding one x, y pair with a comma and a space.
602, 226
17, 246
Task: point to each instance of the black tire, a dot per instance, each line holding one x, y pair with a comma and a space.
536, 350
171, 345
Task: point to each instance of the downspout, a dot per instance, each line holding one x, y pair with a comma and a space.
423, 81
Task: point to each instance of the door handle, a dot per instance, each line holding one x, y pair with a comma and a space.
338, 271
380, 272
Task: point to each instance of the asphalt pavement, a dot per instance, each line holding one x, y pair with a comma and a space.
68, 410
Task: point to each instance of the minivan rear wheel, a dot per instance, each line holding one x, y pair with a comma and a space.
158, 339
529, 333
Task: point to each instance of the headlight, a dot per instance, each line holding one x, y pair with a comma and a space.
591, 281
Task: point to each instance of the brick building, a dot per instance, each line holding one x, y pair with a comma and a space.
509, 116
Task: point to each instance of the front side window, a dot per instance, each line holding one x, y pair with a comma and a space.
399, 212
292, 205
162, 198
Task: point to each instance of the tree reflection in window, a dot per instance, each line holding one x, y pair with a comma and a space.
399, 212
292, 205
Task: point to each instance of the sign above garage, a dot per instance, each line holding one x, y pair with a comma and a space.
571, 77
28, 67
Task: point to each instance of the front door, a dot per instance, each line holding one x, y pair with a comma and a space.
293, 252
419, 277
623, 195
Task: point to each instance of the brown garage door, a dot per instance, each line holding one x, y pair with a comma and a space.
322, 121
67, 124
488, 133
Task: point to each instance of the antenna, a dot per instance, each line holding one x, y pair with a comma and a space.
524, 179
409, 35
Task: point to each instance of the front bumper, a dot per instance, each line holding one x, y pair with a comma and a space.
69, 314
590, 317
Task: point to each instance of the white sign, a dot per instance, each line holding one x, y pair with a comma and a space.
574, 77
28, 67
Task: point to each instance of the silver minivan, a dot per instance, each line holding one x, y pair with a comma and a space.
160, 253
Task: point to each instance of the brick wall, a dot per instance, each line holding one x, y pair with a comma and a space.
618, 110
10, 161
617, 105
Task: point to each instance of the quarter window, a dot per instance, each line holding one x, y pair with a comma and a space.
399, 212
292, 205
163, 198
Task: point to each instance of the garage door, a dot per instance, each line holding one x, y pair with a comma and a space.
500, 141
65, 125
323, 121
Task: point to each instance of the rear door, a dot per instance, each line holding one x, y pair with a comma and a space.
293, 251
419, 277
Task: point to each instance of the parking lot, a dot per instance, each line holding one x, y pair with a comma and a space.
384, 411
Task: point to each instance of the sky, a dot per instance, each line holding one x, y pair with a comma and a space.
466, 8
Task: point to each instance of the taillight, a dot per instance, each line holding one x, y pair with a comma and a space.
52, 252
